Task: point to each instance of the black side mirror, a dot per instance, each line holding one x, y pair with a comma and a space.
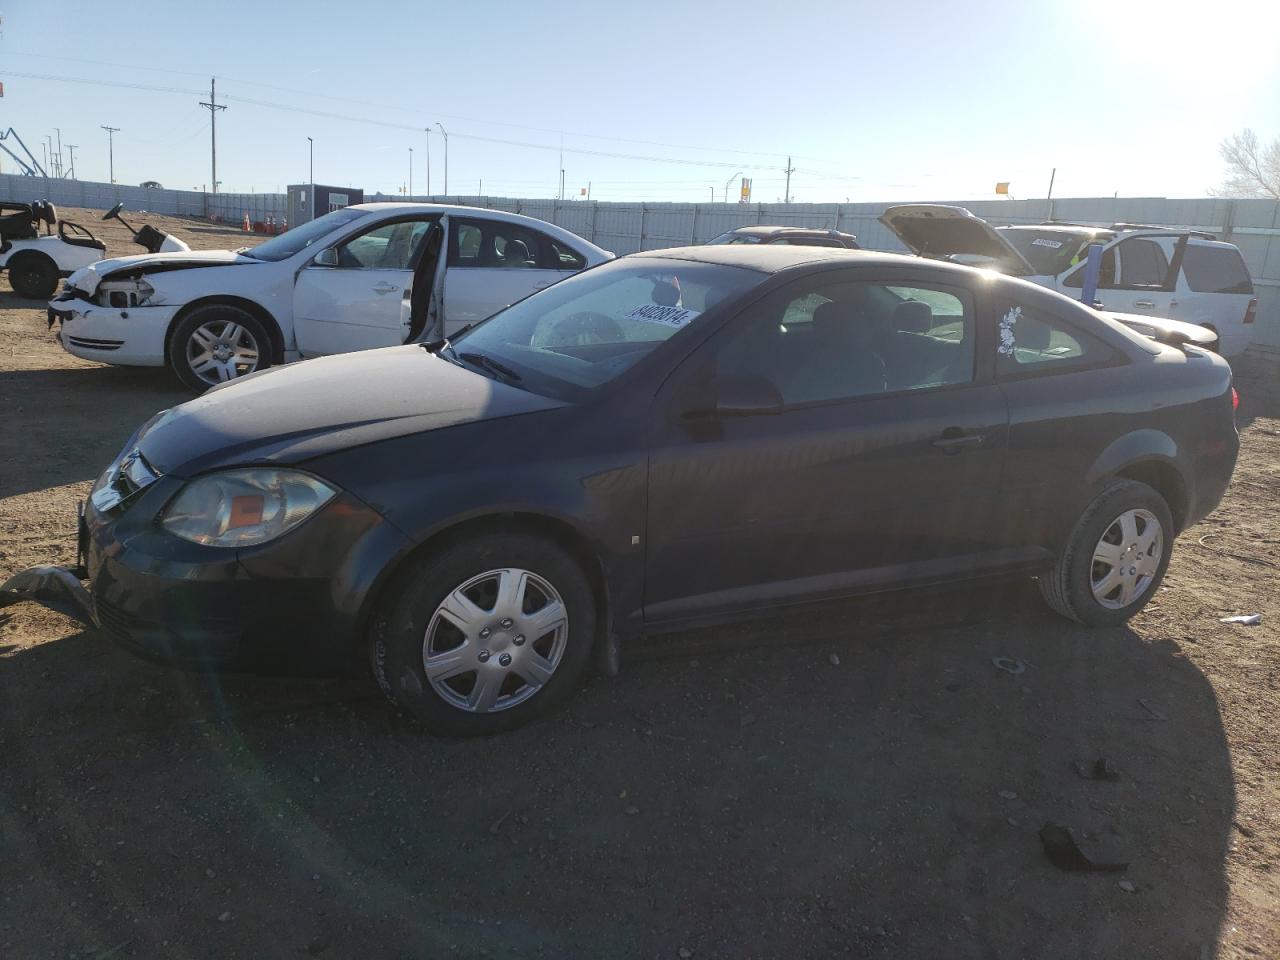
736, 396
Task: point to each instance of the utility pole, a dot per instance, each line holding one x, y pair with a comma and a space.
111, 151
71, 148
213, 107
411, 173
427, 131
58, 130
311, 163
790, 170
444, 133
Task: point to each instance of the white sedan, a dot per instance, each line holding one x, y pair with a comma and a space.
371, 275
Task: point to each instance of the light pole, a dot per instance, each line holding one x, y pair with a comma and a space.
726, 185
311, 163
427, 131
411, 173
444, 133
111, 150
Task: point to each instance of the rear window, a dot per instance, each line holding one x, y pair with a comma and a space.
732, 237
1212, 269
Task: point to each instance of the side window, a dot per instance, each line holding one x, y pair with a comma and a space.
1142, 264
392, 246
1135, 264
1033, 341
1215, 269
563, 257
489, 243
824, 342
465, 249
509, 247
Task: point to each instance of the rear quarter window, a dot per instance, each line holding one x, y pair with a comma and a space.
1213, 269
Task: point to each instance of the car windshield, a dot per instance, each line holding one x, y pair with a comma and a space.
732, 237
299, 238
588, 329
1049, 252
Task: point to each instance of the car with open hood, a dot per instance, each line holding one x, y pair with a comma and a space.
364, 276
1159, 272
673, 438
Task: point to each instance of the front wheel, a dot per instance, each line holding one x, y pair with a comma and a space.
216, 343
484, 635
1115, 558
34, 276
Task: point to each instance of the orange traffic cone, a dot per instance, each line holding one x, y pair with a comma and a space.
245, 225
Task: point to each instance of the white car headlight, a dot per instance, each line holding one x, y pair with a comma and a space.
243, 507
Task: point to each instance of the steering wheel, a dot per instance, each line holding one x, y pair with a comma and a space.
113, 212
587, 327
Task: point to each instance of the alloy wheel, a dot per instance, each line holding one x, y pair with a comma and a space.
1126, 559
221, 350
495, 640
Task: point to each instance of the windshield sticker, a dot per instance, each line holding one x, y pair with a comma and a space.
668, 316
1006, 330
1051, 244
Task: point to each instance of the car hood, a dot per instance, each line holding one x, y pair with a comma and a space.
1166, 330
88, 278
305, 410
953, 233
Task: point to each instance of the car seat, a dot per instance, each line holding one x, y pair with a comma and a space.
516, 254
837, 359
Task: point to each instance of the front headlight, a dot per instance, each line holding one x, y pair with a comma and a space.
240, 508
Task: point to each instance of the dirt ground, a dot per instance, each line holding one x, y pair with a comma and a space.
853, 781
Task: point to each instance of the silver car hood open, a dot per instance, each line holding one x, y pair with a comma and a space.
944, 232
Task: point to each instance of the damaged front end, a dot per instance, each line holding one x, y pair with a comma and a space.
118, 293
58, 588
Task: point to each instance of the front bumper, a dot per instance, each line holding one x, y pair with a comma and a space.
133, 336
297, 603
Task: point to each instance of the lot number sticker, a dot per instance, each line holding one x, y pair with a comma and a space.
1052, 244
668, 316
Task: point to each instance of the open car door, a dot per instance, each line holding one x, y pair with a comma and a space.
943, 232
422, 307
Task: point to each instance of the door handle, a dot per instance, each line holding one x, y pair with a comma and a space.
953, 440
1144, 303
385, 287
543, 285
1173, 303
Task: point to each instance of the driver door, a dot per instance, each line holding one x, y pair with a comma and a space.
357, 294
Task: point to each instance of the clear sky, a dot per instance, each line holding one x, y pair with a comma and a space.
874, 101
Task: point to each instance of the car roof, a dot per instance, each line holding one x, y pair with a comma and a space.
394, 207
1075, 228
774, 259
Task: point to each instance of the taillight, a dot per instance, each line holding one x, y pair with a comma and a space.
1251, 311
1235, 399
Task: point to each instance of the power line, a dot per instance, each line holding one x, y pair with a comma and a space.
403, 109
415, 128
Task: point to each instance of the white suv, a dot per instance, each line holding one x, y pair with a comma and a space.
1146, 270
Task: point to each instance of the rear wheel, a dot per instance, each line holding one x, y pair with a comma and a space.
217, 343
1116, 557
484, 635
34, 276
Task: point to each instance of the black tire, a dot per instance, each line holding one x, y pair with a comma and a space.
398, 634
34, 276
1068, 587
216, 315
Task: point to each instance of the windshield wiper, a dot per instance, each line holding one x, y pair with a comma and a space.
488, 363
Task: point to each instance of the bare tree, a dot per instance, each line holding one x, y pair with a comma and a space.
1253, 170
